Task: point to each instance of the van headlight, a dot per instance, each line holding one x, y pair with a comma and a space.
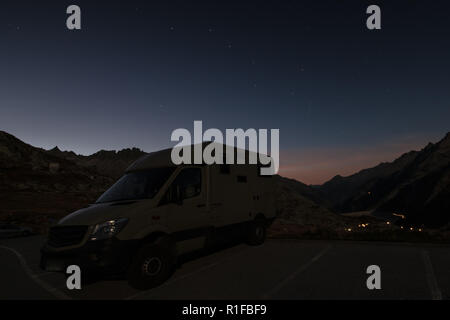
107, 229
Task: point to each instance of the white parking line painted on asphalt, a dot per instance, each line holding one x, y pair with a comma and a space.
296, 273
431, 279
55, 292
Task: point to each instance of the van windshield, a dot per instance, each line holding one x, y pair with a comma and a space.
137, 185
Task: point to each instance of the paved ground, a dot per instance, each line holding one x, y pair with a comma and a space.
280, 269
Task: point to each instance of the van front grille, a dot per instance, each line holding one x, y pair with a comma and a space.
63, 236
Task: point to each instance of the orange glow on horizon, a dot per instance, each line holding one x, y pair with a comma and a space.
318, 165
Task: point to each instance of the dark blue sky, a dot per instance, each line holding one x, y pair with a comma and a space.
343, 97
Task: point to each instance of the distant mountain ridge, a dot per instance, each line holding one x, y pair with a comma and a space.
25, 167
36, 184
108, 163
416, 185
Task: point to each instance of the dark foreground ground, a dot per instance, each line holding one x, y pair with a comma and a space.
279, 269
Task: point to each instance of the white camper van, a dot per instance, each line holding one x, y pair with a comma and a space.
157, 211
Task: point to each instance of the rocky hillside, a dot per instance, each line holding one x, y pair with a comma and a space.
299, 214
416, 185
296, 203
108, 163
37, 185
26, 168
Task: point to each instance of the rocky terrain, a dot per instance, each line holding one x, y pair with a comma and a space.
107, 163
415, 186
39, 186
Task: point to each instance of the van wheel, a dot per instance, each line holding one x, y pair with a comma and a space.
151, 266
257, 232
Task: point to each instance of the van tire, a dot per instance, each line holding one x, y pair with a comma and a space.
151, 266
257, 232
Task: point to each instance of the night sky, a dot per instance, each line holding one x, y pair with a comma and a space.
343, 97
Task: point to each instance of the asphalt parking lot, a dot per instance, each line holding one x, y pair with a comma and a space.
279, 269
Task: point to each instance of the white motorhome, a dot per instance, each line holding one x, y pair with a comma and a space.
157, 211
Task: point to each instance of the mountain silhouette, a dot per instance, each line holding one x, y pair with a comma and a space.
35, 182
416, 185
107, 163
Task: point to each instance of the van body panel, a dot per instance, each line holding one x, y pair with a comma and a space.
110, 256
195, 206
96, 213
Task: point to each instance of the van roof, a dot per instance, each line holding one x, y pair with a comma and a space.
162, 158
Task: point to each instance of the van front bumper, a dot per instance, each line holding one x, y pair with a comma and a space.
109, 256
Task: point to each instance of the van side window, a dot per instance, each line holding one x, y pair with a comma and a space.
188, 182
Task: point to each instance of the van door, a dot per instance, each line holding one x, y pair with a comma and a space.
187, 215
